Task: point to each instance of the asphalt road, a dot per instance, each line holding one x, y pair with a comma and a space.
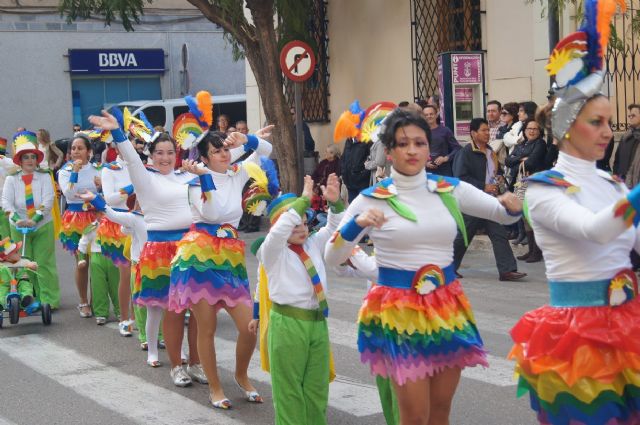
74, 372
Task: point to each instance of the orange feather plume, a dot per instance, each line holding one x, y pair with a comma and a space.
346, 127
205, 104
606, 10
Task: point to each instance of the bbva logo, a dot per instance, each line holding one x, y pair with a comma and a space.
116, 59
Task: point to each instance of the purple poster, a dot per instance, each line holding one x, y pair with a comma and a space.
462, 128
441, 88
466, 68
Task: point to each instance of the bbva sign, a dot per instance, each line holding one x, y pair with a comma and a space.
112, 60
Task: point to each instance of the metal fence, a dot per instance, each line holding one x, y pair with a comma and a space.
315, 96
622, 62
440, 26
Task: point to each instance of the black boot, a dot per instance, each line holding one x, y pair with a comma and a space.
536, 253
528, 254
521, 234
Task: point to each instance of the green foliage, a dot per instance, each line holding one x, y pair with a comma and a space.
127, 11
294, 16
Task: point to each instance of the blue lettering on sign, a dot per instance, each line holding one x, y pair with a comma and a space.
116, 61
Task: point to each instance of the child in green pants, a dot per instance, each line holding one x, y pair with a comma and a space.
10, 260
104, 276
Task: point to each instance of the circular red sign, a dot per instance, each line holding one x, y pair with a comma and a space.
297, 61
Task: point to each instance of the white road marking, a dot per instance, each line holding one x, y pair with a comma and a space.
128, 395
4, 421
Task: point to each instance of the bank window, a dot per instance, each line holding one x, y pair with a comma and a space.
156, 115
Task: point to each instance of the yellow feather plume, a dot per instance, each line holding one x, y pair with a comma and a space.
257, 174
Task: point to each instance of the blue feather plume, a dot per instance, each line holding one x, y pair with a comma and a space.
593, 59
193, 107
117, 113
144, 119
269, 169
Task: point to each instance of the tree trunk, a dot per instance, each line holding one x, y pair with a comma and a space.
264, 59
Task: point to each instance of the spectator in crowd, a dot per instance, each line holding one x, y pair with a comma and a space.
309, 143
354, 175
528, 158
241, 126
628, 144
329, 165
76, 128
508, 116
53, 156
476, 164
443, 146
231, 130
377, 162
543, 118
140, 149
493, 118
526, 110
223, 123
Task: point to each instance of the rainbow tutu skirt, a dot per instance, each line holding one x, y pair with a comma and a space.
112, 241
74, 222
419, 326
581, 365
209, 265
151, 287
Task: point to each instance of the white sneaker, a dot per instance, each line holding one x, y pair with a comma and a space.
180, 377
197, 373
101, 320
125, 328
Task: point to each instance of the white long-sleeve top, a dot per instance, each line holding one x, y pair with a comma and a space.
89, 241
288, 280
578, 233
86, 177
132, 224
112, 181
513, 136
407, 245
13, 195
164, 199
226, 200
6, 167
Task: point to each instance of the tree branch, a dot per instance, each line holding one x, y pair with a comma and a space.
244, 33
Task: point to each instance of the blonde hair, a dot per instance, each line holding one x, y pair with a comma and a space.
44, 136
334, 150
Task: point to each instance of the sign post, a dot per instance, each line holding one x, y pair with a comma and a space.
298, 62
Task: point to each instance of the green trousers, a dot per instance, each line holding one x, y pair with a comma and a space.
105, 278
140, 314
40, 247
388, 400
25, 288
299, 359
5, 228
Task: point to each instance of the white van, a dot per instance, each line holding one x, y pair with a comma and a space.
164, 112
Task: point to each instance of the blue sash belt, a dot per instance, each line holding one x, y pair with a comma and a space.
165, 235
404, 279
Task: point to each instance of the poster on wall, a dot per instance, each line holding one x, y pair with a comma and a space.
466, 68
441, 89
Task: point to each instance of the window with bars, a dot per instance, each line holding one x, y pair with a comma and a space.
622, 62
315, 95
440, 26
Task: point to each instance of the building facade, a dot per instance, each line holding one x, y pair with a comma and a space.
58, 73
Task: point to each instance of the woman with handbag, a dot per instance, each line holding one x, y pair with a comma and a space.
527, 158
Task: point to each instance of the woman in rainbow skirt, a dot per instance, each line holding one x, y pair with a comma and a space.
416, 325
209, 273
75, 177
163, 196
579, 356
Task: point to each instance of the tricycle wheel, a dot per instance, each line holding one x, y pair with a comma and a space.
14, 310
46, 314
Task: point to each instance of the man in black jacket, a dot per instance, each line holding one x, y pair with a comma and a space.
354, 175
477, 164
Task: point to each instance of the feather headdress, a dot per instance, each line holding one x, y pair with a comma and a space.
348, 125
265, 186
577, 63
201, 108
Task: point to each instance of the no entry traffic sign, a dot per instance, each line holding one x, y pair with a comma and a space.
297, 61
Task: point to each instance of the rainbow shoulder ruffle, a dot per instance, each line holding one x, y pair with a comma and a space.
408, 336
